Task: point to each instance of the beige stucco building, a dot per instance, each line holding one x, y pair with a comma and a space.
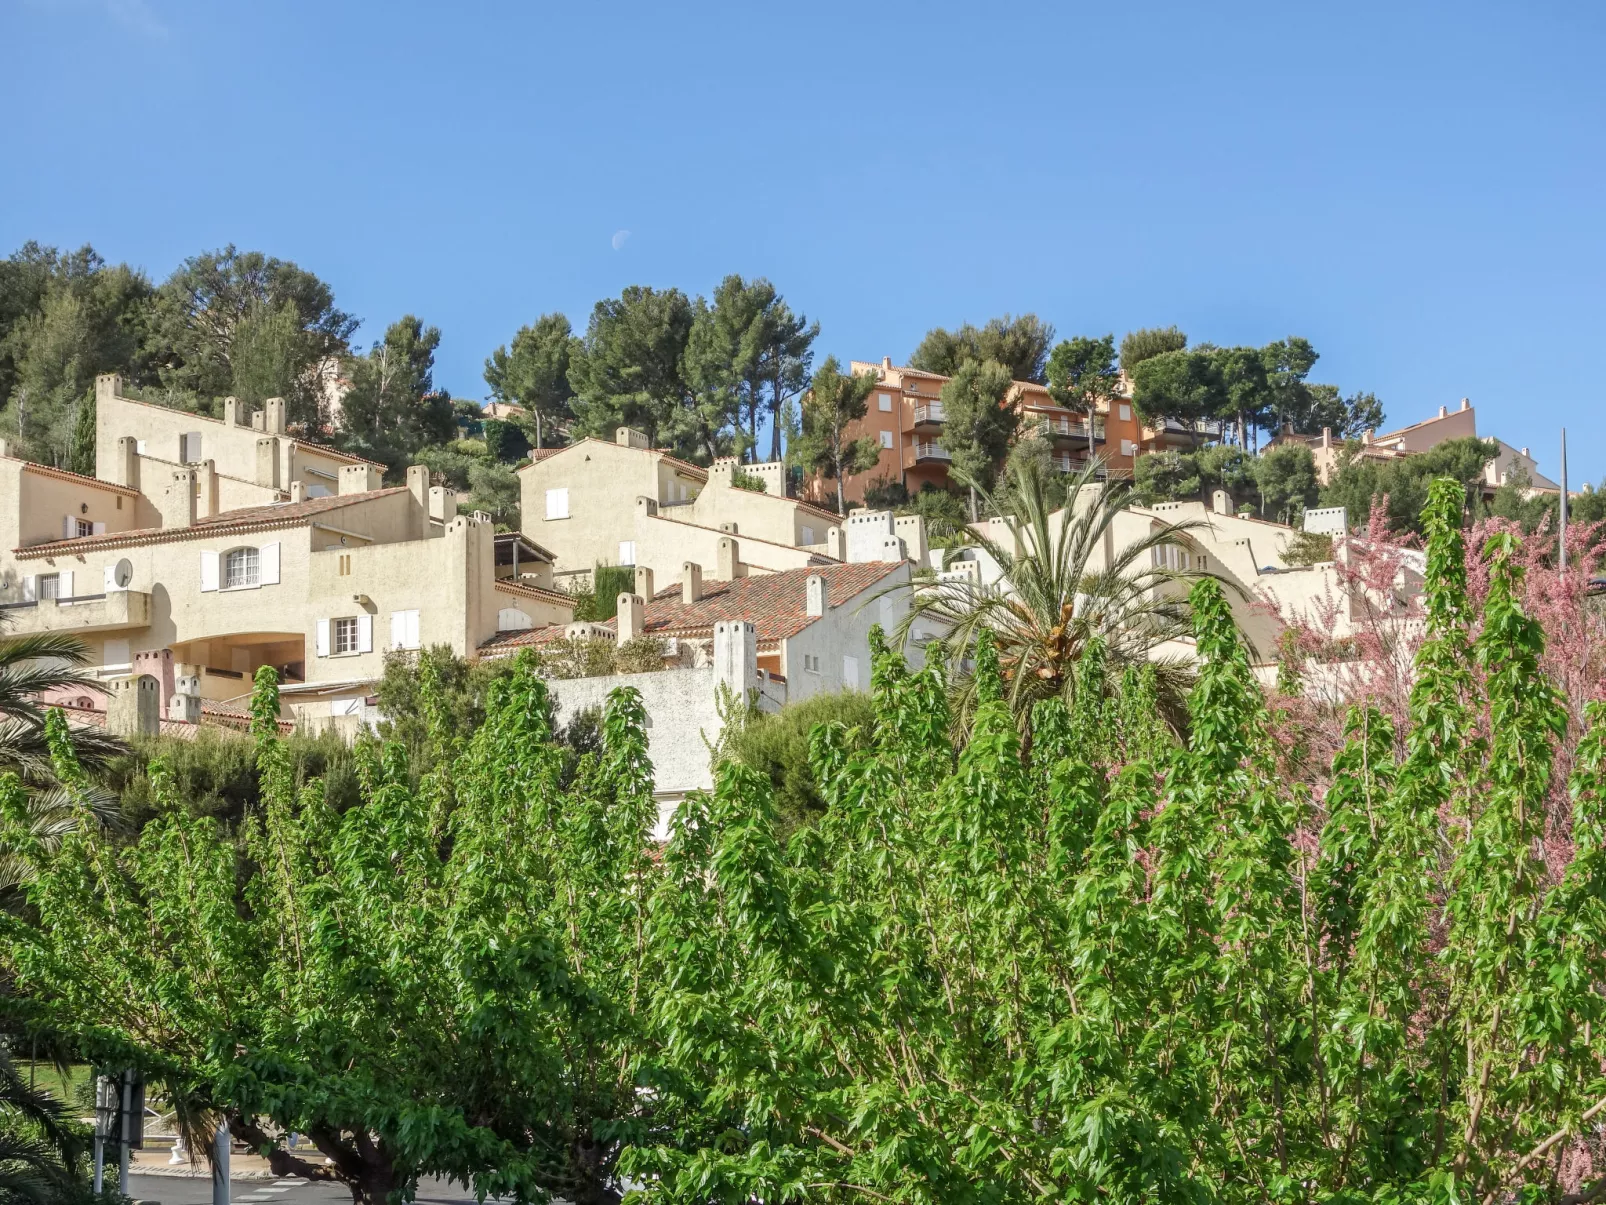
203, 550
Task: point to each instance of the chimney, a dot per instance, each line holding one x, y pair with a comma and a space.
1466, 404
1221, 502
629, 437
133, 706
730, 559
268, 461
632, 621
418, 485
442, 504
177, 501
736, 656
886, 363
358, 479
206, 477
817, 599
274, 409
1327, 437
108, 385
126, 468
644, 581
258, 421
298, 491
1366, 437
834, 544
231, 412
691, 583
1525, 453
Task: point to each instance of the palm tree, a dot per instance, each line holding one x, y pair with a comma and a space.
41, 1153
30, 665
1062, 586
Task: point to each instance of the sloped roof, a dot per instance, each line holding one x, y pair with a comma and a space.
774, 603
324, 449
45, 470
280, 514
537, 456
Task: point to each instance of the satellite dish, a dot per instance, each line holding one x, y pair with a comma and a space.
124, 573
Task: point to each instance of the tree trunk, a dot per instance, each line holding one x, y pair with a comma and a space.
775, 418
591, 1178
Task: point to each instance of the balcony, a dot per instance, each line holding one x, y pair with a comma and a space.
931, 450
1075, 464
1075, 429
80, 613
929, 414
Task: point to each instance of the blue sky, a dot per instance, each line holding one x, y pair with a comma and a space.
1416, 188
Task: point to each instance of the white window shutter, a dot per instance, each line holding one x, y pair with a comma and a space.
365, 633
65, 577
268, 565
398, 629
208, 571
850, 672
323, 638
411, 634
30, 588
68, 528
627, 552
557, 503
99, 529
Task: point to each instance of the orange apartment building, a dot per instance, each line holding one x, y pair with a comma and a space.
905, 415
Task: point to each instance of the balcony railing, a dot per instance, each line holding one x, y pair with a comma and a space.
1067, 428
931, 450
1071, 464
929, 414
81, 613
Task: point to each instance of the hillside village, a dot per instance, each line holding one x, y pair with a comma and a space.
203, 549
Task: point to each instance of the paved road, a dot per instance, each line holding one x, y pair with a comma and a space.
197, 1190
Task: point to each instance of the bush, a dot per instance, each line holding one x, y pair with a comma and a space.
743, 480
883, 493
777, 746
461, 686
215, 773
601, 600
642, 655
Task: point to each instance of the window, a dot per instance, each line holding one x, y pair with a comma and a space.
83, 527
886, 439
344, 632
850, 672
1126, 412
627, 552
241, 567
1126, 447
557, 503
886, 401
808, 534
811, 663
189, 447
404, 629
49, 586
1169, 556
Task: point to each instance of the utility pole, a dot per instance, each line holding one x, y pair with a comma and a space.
1563, 524
126, 1131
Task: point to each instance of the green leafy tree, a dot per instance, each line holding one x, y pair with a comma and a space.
1109, 967
1019, 344
200, 310
447, 979
1224, 466
777, 746
1246, 394
1166, 476
534, 373
626, 371
505, 442
1286, 476
393, 409
1403, 482
1287, 363
85, 318
1181, 385
1082, 375
1345, 417
1148, 342
979, 421
834, 402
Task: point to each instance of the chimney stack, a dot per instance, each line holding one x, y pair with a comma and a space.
691, 583
274, 408
1466, 404
644, 582
817, 596
730, 559
632, 617
231, 412
177, 502
1444, 411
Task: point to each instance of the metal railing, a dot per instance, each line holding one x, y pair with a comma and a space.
929, 412
1071, 428
1068, 464
931, 450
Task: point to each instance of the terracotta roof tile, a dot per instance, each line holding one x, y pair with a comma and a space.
45, 470
774, 603
282, 514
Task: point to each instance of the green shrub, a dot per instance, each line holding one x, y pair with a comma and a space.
777, 745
